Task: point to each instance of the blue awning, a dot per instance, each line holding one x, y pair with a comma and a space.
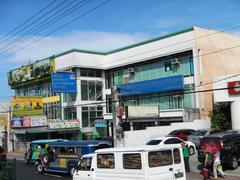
171, 83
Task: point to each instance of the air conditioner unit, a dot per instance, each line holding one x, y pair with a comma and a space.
175, 61
131, 70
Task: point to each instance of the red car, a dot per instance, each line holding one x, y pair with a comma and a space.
181, 133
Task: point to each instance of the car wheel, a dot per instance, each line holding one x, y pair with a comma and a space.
71, 171
40, 168
191, 150
233, 162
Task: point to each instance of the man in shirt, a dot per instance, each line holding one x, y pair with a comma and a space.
186, 155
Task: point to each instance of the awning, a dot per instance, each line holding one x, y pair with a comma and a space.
51, 130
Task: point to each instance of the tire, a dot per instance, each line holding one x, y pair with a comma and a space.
71, 171
40, 168
233, 162
191, 150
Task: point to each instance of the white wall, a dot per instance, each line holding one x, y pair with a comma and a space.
140, 137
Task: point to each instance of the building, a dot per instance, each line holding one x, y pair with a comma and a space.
163, 75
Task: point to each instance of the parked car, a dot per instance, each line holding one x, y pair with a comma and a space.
172, 140
63, 156
37, 148
181, 133
199, 134
3, 157
230, 148
163, 162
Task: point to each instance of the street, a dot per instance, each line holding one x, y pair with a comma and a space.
27, 172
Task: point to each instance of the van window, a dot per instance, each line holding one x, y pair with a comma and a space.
105, 161
132, 161
85, 164
177, 156
160, 158
67, 150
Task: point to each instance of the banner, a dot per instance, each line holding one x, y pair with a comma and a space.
51, 99
30, 72
64, 83
26, 121
27, 106
16, 122
64, 124
38, 121
3, 120
100, 123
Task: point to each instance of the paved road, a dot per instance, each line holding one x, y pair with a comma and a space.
27, 172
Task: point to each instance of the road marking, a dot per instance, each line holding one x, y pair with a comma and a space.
54, 175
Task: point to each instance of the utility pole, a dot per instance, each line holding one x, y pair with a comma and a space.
117, 128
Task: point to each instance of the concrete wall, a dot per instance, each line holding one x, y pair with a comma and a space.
140, 137
211, 59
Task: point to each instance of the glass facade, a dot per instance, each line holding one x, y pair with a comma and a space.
91, 90
90, 114
69, 97
70, 113
52, 110
90, 73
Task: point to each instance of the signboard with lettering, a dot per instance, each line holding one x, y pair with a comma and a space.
234, 88
64, 124
64, 83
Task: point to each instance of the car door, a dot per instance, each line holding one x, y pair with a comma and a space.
85, 169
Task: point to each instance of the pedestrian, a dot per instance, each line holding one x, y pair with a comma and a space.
208, 162
217, 168
186, 155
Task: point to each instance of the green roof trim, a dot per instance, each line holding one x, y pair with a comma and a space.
125, 47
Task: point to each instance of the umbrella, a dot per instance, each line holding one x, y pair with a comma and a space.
211, 146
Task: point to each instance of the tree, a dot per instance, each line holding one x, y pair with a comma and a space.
221, 116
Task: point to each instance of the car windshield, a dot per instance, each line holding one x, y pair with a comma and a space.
200, 133
154, 142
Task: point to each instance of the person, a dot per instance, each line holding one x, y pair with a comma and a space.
207, 165
217, 168
186, 155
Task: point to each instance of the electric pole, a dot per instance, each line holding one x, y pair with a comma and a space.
117, 128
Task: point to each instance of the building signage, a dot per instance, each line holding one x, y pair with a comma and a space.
26, 121
64, 83
30, 72
234, 88
64, 124
51, 99
27, 106
3, 120
167, 84
38, 121
142, 111
100, 123
16, 122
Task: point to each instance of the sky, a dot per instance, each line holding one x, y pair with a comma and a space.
115, 24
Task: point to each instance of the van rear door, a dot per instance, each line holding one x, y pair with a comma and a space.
178, 167
85, 169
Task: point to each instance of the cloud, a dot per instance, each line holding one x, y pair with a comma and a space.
87, 40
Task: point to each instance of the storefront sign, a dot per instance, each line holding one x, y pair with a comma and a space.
26, 121
30, 72
51, 99
3, 120
64, 83
88, 129
27, 106
16, 122
234, 88
38, 121
100, 123
142, 111
167, 84
64, 124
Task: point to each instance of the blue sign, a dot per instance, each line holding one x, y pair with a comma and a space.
17, 122
171, 83
64, 83
100, 123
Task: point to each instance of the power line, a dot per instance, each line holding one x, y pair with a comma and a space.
64, 25
45, 24
29, 19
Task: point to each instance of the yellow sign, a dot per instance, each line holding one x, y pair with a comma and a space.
3, 121
51, 99
27, 106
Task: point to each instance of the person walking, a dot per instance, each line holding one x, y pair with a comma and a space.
208, 163
217, 168
186, 155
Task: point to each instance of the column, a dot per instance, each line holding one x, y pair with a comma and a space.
235, 113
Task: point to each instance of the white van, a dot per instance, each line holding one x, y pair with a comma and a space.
136, 163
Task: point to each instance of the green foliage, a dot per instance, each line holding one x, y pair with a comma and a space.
220, 117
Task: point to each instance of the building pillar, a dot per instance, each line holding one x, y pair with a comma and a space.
235, 113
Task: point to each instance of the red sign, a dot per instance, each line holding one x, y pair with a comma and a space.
234, 88
27, 121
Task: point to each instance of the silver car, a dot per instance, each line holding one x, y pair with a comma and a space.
199, 134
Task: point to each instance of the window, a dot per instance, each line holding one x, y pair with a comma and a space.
167, 66
67, 150
91, 73
106, 161
89, 115
69, 97
177, 156
52, 110
85, 164
173, 141
132, 161
70, 113
160, 158
154, 142
91, 90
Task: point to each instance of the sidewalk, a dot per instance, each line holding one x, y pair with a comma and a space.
197, 176
17, 155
